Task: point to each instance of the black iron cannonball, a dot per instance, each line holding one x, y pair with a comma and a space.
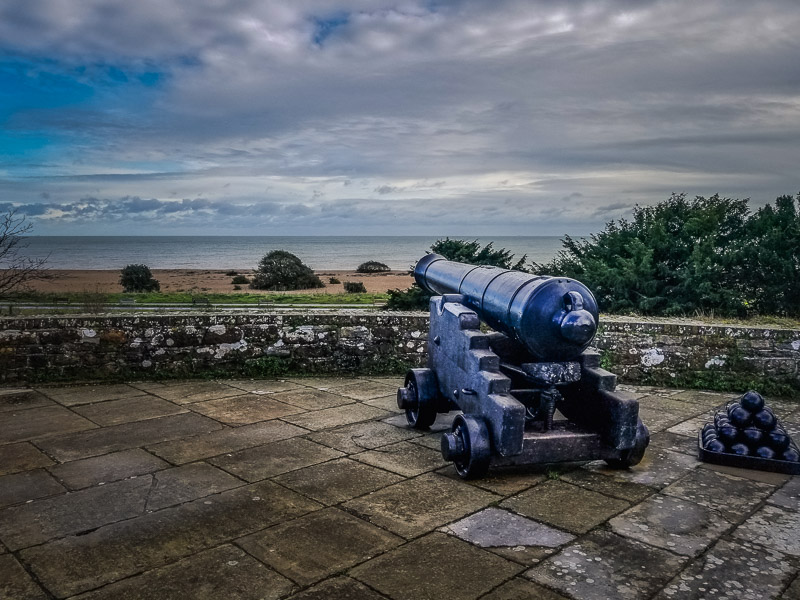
740, 449
752, 436
721, 418
739, 416
764, 452
777, 440
765, 419
728, 433
714, 445
708, 428
791, 455
752, 401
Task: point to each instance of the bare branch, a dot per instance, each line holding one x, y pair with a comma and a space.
16, 269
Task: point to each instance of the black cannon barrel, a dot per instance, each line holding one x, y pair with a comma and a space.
555, 318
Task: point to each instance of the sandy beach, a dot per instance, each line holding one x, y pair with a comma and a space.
208, 281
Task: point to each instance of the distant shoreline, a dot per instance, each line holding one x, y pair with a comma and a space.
206, 281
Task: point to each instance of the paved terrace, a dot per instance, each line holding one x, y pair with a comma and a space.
314, 488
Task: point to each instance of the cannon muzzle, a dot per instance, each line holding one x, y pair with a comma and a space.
555, 318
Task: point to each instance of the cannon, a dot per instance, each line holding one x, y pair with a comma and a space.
531, 391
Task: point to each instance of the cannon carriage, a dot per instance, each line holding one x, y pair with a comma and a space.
529, 392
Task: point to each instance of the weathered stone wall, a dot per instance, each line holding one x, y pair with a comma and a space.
53, 348
676, 353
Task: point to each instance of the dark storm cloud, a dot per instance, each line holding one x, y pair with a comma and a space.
500, 108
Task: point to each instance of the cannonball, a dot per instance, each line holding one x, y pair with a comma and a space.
728, 433
709, 427
752, 401
764, 452
791, 455
740, 449
777, 440
752, 436
739, 416
721, 418
714, 446
765, 419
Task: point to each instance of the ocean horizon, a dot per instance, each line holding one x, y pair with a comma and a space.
244, 252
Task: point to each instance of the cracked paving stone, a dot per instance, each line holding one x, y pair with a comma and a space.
29, 485
324, 383
673, 405
659, 420
367, 390
773, 527
243, 410
774, 479
20, 399
442, 423
15, 583
404, 458
733, 572
604, 565
137, 408
733, 497
188, 482
418, 505
658, 468
361, 436
666, 440
435, 566
21, 457
338, 588
317, 545
255, 464
493, 527
671, 523
80, 563
227, 440
328, 418
38, 423
196, 391
84, 394
691, 427
522, 589
624, 490
128, 435
502, 481
35, 523
311, 399
387, 403
223, 571
337, 480
787, 496
565, 506
86, 472
264, 386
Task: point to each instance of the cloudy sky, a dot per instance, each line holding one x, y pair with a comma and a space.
398, 117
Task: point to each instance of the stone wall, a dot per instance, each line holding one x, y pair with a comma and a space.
674, 353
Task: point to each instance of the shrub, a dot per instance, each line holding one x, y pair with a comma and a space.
334, 280
354, 287
414, 298
138, 278
237, 287
281, 270
231, 273
372, 266
239, 279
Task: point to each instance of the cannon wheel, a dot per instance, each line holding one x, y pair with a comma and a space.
422, 392
632, 456
474, 440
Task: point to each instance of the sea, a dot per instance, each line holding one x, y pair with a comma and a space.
244, 252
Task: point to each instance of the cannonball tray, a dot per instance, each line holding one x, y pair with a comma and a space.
747, 462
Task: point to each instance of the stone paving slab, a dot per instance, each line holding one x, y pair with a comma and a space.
317, 545
345, 501
105, 468
136, 408
223, 572
24, 456
26, 486
128, 435
224, 441
435, 566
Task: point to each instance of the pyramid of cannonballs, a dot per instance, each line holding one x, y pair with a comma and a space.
748, 427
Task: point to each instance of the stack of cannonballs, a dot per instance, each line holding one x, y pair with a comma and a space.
748, 427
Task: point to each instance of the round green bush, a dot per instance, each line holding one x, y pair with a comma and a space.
372, 266
138, 278
281, 270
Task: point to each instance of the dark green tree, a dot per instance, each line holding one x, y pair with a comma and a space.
138, 278
372, 266
282, 270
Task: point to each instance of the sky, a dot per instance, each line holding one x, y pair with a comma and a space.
316, 117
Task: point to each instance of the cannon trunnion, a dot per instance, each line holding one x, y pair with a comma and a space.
532, 392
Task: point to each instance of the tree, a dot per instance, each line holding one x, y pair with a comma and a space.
282, 270
415, 298
15, 268
138, 278
372, 266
